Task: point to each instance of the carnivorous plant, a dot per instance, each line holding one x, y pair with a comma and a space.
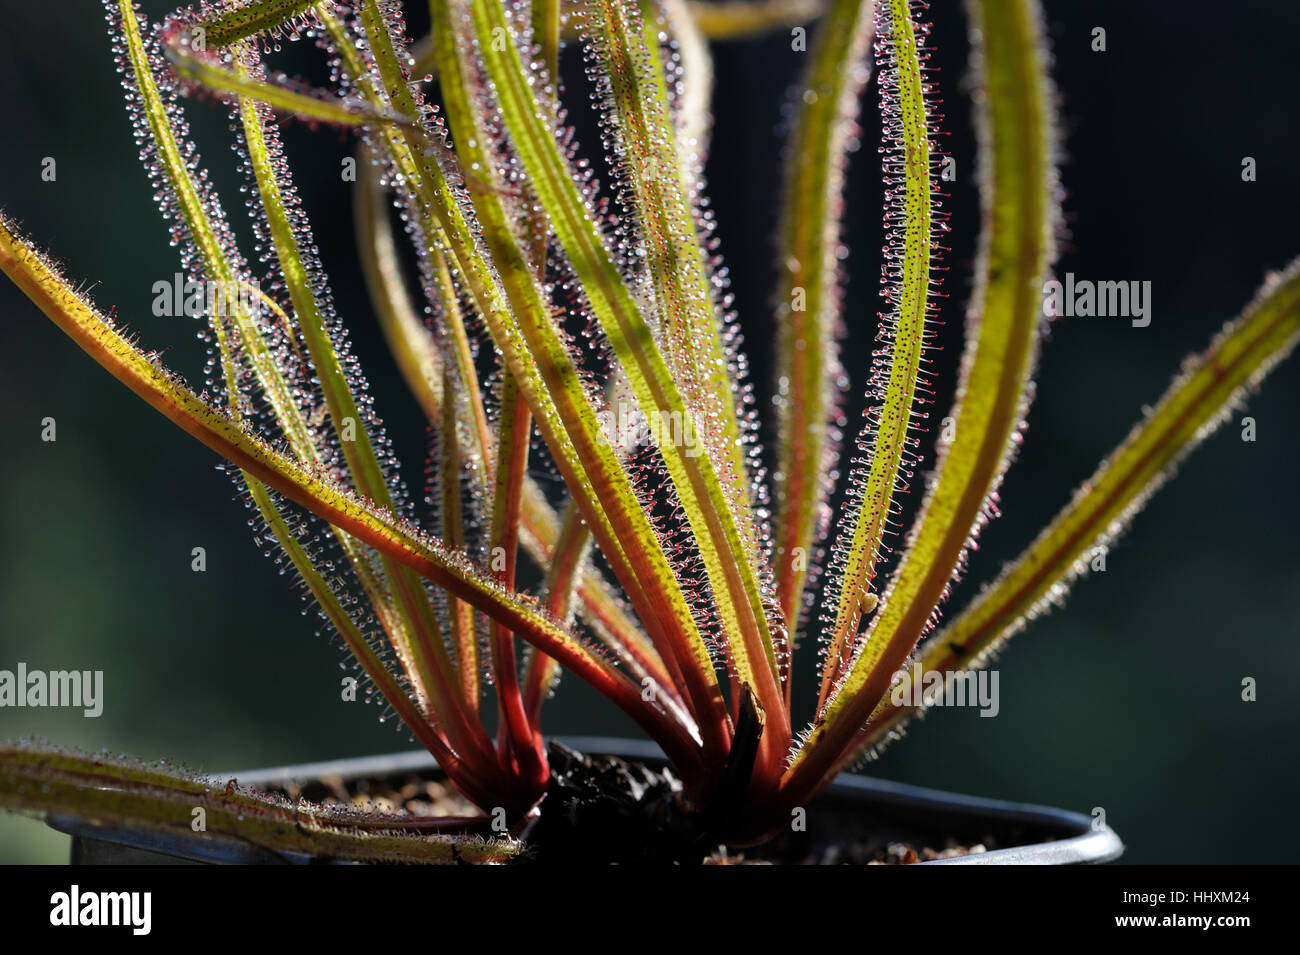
577, 319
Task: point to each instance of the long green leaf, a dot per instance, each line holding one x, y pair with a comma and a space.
427, 649
409, 340
99, 338
1199, 400
541, 527
910, 213
409, 620
693, 113
244, 19
198, 213
312, 105
740, 19
808, 304
664, 193
1018, 184
710, 20
421, 367
478, 785
708, 511
112, 793
540, 362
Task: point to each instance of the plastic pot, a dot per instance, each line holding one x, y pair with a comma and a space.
1037, 835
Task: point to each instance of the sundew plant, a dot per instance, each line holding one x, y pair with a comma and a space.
574, 319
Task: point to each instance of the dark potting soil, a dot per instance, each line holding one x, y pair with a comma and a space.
604, 809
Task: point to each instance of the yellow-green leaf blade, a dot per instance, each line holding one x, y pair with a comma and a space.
311, 105
100, 339
48, 780
907, 277
741, 19
421, 367
664, 194
808, 302
1207, 388
245, 19
546, 374
1018, 187
732, 576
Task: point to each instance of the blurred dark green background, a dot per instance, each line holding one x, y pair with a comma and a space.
1128, 700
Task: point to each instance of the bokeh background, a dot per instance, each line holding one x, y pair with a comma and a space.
1129, 699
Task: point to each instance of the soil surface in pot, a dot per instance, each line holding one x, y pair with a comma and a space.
605, 809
